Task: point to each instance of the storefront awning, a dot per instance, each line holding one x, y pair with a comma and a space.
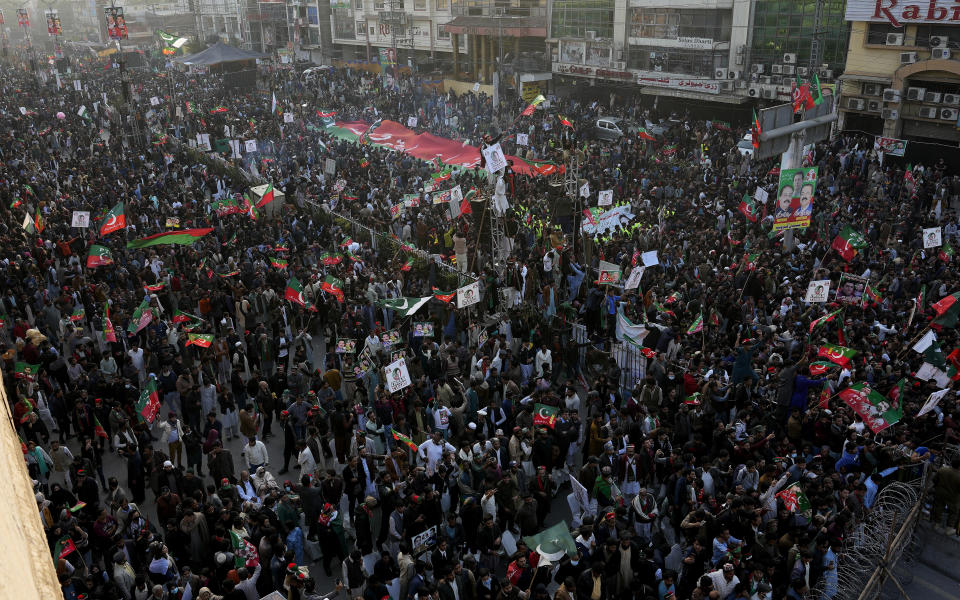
867, 78
506, 26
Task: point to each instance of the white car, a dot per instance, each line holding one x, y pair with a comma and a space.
745, 147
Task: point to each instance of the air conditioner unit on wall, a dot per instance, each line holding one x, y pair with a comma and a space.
871, 89
949, 114
777, 69
726, 86
769, 93
908, 58
894, 39
891, 95
742, 84
827, 73
855, 103
719, 73
756, 68
754, 91
890, 114
591, 34
951, 99
789, 69
932, 97
915, 94
938, 41
874, 105
928, 112
790, 58
940, 53
803, 71
766, 80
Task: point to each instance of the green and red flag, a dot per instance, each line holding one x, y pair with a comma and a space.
114, 220
895, 395
873, 295
364, 163
267, 197
16, 202
565, 122
669, 150
948, 310
873, 407
204, 340
755, 130
148, 405
109, 334
294, 292
946, 251
326, 115
155, 287
528, 111
404, 439
191, 107
328, 259
696, 326
278, 262
99, 256
444, 297
815, 92
64, 547
848, 242
820, 367
824, 319
244, 553
643, 134
184, 317
98, 429
794, 500
407, 265
142, 317
721, 125
38, 221
749, 208
802, 100
750, 261
346, 242
825, 396
183, 237
837, 354
332, 285
77, 315
219, 109
545, 415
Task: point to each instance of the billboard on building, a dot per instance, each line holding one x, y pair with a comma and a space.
900, 12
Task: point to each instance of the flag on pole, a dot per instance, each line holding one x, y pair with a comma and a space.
533, 105
267, 197
948, 310
816, 92
245, 554
64, 547
403, 439
545, 415
38, 221
795, 500
99, 256
837, 354
204, 340
183, 237
749, 208
848, 242
294, 292
875, 410
148, 405
142, 317
98, 429
565, 122
108, 332
404, 307
824, 319
755, 130
697, 325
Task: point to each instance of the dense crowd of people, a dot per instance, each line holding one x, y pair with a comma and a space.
720, 461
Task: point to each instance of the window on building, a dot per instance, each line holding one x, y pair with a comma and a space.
419, 4
583, 19
677, 60
925, 32
670, 24
785, 26
877, 32
361, 28
312, 16
439, 5
441, 33
358, 4
379, 5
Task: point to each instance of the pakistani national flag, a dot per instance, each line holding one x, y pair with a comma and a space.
99, 256
877, 411
148, 405
630, 332
545, 415
84, 114
837, 354
183, 237
795, 500
113, 220
848, 242
404, 306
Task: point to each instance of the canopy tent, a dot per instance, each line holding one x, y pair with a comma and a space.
219, 54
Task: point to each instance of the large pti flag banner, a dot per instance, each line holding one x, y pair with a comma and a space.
426, 146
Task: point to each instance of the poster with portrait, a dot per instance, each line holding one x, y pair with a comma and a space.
851, 289
795, 198
396, 355
390, 338
932, 237
364, 363
346, 346
422, 329
397, 376
818, 291
423, 541
572, 52
891, 146
468, 295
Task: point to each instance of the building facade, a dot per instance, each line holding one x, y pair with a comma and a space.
727, 51
902, 76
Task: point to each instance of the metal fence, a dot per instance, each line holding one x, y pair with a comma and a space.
883, 546
630, 361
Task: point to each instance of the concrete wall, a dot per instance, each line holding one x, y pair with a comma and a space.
26, 566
